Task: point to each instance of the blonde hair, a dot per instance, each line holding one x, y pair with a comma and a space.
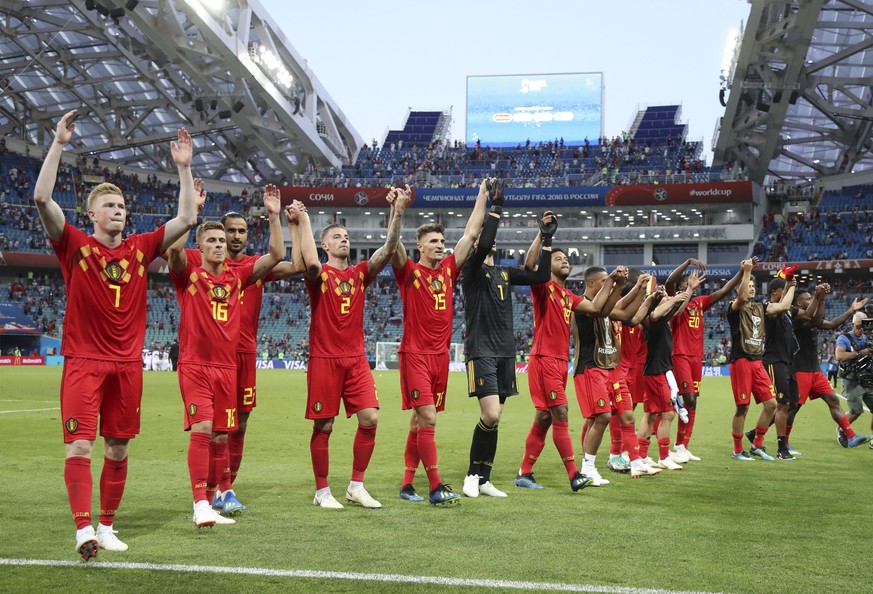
102, 190
207, 226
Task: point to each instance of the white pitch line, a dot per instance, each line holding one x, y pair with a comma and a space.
337, 575
6, 412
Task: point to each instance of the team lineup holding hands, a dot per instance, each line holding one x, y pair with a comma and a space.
636, 342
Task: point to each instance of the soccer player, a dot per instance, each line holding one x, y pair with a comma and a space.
236, 233
338, 368
106, 279
489, 342
811, 382
553, 306
748, 376
426, 290
688, 334
210, 296
662, 393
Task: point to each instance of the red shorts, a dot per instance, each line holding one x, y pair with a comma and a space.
423, 380
331, 379
111, 390
246, 392
657, 394
749, 378
209, 395
547, 380
618, 391
634, 379
591, 391
688, 371
812, 385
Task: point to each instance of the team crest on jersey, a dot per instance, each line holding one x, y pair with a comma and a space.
436, 285
415, 394
504, 276
219, 292
601, 402
114, 271
317, 406
345, 287
553, 395
481, 381
684, 384
743, 397
71, 424
192, 410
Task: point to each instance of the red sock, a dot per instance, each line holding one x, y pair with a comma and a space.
846, 426
630, 441
77, 476
680, 432
655, 425
235, 444
427, 449
689, 426
410, 455
533, 446
644, 446
112, 481
584, 433
759, 436
788, 432
318, 450
365, 441
615, 436
218, 469
738, 442
664, 447
198, 464
564, 443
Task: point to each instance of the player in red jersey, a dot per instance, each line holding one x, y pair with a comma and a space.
338, 367
104, 329
426, 290
688, 331
236, 233
209, 298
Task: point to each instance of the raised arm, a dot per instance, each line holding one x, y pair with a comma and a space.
619, 279
306, 245
729, 286
400, 256
670, 285
383, 255
743, 290
264, 264
175, 252
695, 279
645, 309
775, 309
492, 222
295, 266
812, 315
186, 216
473, 227
50, 212
630, 304
857, 305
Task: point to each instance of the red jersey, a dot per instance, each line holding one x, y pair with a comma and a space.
106, 293
250, 299
337, 299
688, 327
427, 295
553, 312
631, 343
210, 314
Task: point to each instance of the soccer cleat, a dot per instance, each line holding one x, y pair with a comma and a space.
750, 435
669, 464
471, 485
618, 464
859, 440
443, 495
408, 493
487, 488
785, 455
691, 457
841, 437
792, 451
327, 501
761, 453
362, 498
649, 462
230, 505
744, 455
87, 543
871, 445
205, 516
217, 505
678, 456
596, 479
644, 470
579, 481
527, 481
108, 541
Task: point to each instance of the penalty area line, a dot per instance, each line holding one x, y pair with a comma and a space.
342, 575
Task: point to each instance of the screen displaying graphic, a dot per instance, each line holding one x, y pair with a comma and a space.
505, 111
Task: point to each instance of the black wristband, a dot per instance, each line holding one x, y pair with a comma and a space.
496, 209
547, 241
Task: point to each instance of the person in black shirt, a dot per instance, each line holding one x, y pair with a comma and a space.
489, 342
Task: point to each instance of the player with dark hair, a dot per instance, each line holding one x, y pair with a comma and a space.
688, 332
748, 376
489, 342
338, 367
427, 289
106, 277
210, 296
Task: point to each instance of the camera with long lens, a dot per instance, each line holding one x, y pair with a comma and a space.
859, 370
868, 323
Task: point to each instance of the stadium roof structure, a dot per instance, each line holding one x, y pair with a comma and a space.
140, 70
801, 91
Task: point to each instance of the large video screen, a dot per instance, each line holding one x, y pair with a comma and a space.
505, 111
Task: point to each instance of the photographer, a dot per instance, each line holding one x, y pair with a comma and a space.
850, 346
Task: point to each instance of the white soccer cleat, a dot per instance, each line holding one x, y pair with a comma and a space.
327, 501
596, 479
362, 498
487, 488
86, 543
691, 457
649, 462
644, 470
669, 464
108, 541
471, 485
205, 516
678, 456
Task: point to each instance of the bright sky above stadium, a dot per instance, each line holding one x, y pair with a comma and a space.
377, 59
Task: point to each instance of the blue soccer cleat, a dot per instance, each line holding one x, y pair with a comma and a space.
443, 495
761, 453
578, 482
527, 481
743, 456
859, 440
230, 505
408, 493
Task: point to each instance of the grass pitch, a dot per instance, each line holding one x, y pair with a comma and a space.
718, 525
